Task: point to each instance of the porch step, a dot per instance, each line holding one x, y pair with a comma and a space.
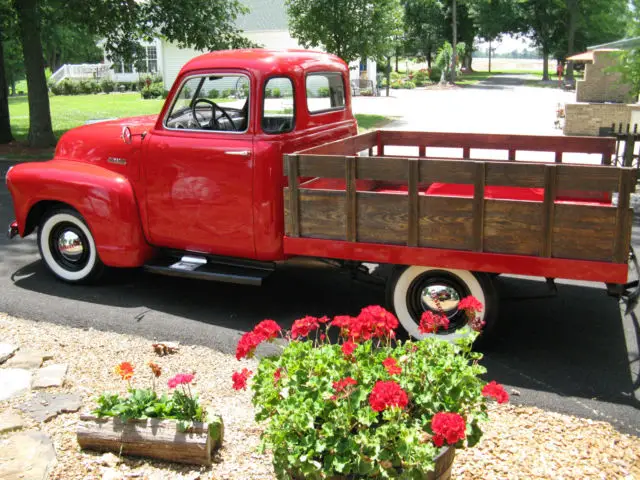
202, 268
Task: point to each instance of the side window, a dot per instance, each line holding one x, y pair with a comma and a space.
278, 111
325, 91
211, 102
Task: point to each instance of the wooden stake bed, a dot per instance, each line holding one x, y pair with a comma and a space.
534, 209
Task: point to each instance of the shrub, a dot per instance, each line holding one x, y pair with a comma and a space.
56, 89
276, 93
367, 406
366, 92
323, 92
68, 87
396, 84
107, 85
421, 77
226, 93
213, 93
395, 77
155, 90
434, 74
408, 85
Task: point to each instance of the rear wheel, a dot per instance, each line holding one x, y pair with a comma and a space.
68, 248
413, 290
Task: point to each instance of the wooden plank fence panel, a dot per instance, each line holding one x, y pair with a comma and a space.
446, 222
527, 175
584, 231
322, 214
382, 218
513, 227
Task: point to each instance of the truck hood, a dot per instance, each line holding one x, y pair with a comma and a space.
100, 143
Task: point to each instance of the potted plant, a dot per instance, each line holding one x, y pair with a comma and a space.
345, 399
143, 423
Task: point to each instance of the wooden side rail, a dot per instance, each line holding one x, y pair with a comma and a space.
552, 227
604, 146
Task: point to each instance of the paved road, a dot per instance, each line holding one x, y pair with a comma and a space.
575, 353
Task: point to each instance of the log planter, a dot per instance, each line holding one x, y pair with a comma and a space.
441, 471
152, 438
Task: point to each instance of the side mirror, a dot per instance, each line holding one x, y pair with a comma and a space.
126, 135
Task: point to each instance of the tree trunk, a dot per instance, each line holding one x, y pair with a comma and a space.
429, 58
397, 54
40, 130
545, 62
13, 87
489, 56
5, 125
388, 74
454, 56
572, 6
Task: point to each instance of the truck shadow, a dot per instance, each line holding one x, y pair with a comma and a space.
574, 344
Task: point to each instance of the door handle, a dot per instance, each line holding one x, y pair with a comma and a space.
239, 153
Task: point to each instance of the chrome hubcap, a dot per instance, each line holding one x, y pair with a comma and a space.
70, 246
447, 296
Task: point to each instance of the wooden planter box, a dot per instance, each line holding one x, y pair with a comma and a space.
153, 438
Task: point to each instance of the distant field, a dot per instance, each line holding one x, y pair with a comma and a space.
509, 64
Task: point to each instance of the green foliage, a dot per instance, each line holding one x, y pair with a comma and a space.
155, 90
358, 28
107, 85
145, 403
313, 434
630, 59
213, 93
435, 74
421, 77
276, 93
425, 27
225, 93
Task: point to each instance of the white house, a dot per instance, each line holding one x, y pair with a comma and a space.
265, 24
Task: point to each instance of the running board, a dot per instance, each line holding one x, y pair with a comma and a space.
191, 266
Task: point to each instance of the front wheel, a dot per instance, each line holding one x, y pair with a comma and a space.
67, 247
413, 290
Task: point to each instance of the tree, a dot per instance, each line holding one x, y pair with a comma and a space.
5, 24
543, 22
425, 27
349, 28
492, 19
201, 24
630, 59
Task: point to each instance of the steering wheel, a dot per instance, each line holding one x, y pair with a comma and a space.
214, 120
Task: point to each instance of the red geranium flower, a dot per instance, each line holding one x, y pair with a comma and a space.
277, 375
341, 385
495, 390
447, 426
324, 319
387, 395
268, 329
240, 379
348, 347
180, 379
470, 303
391, 364
342, 321
248, 344
430, 322
374, 321
304, 326
125, 370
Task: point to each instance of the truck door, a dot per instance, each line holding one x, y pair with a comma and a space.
198, 169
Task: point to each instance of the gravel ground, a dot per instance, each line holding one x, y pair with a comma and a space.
519, 442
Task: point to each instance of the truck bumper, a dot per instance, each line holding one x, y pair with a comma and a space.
13, 230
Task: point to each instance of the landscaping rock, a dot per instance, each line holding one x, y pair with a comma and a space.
10, 420
6, 351
108, 460
45, 406
50, 376
111, 474
27, 456
14, 382
28, 359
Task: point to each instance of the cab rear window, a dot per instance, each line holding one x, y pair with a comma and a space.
325, 92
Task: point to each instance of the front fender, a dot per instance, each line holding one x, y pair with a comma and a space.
104, 198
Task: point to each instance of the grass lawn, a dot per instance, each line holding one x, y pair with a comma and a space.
71, 111
479, 76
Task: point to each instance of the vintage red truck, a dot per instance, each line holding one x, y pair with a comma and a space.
255, 159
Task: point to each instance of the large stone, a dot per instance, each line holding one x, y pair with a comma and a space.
10, 420
50, 376
28, 359
26, 456
14, 382
45, 406
6, 351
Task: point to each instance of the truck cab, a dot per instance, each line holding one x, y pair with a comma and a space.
202, 178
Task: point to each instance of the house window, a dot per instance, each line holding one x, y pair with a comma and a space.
152, 59
325, 91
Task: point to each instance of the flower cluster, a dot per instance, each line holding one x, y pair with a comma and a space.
448, 426
125, 370
392, 367
240, 379
431, 322
265, 331
471, 307
373, 322
180, 379
343, 388
304, 326
495, 390
387, 395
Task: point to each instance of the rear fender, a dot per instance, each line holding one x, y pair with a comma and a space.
104, 198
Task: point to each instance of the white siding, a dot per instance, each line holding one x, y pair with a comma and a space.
273, 39
173, 59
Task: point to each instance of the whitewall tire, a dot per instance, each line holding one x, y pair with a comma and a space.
410, 292
67, 247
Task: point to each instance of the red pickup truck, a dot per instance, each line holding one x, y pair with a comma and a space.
255, 159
